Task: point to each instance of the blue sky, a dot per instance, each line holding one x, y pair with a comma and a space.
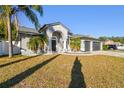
87, 20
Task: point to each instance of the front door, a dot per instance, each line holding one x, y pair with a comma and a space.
53, 45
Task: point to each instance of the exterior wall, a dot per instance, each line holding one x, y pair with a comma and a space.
65, 38
82, 45
24, 45
4, 48
60, 28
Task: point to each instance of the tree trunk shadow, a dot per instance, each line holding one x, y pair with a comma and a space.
17, 61
77, 78
21, 76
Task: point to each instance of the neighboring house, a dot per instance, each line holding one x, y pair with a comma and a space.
58, 39
111, 42
108, 42
114, 45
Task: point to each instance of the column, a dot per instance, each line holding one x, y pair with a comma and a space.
82, 45
65, 48
101, 46
49, 50
91, 46
68, 46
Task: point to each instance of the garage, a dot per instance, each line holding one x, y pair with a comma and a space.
91, 45
96, 46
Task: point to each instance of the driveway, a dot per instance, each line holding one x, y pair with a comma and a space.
109, 53
112, 53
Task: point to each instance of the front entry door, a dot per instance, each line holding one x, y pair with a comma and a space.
53, 45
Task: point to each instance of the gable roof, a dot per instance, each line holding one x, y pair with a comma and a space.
83, 37
44, 27
27, 30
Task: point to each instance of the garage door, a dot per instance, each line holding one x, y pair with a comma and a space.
87, 45
96, 46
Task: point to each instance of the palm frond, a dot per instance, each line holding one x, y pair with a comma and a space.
31, 16
6, 9
37, 42
38, 8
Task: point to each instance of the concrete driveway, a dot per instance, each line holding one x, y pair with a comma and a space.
109, 53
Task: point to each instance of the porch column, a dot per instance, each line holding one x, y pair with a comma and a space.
91, 46
68, 48
101, 45
82, 45
49, 45
65, 48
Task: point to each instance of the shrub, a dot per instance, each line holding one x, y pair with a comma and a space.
75, 44
105, 47
37, 42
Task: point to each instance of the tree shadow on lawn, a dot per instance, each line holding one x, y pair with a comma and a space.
18, 78
17, 61
77, 78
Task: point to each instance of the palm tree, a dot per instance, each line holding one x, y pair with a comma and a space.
3, 30
75, 43
7, 11
37, 42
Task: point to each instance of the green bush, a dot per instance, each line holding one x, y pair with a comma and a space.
105, 47
75, 44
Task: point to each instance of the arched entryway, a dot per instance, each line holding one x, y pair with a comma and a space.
57, 41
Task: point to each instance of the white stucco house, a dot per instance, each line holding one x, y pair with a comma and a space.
58, 39
57, 34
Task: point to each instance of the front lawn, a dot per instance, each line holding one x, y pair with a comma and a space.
61, 71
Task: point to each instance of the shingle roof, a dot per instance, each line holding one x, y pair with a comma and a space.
83, 37
27, 30
44, 27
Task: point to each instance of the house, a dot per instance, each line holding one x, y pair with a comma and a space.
57, 34
113, 45
58, 39
108, 42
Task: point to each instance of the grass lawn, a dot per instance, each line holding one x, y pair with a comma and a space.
62, 71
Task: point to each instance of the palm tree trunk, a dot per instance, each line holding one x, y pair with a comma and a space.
9, 36
17, 29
